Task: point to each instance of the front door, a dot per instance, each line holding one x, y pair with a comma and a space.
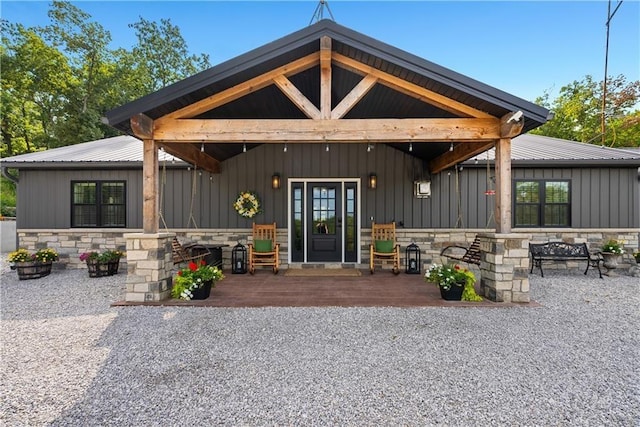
324, 222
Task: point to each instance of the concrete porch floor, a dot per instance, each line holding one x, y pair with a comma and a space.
382, 289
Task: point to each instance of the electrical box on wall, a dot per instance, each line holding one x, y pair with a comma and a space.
422, 189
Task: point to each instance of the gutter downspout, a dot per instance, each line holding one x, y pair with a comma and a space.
9, 176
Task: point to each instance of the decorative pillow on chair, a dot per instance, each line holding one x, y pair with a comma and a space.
262, 245
384, 246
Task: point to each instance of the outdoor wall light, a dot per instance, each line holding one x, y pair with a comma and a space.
373, 181
275, 181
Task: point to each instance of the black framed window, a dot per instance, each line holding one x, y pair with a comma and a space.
542, 203
98, 204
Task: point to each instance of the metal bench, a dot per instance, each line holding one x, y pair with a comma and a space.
561, 251
471, 254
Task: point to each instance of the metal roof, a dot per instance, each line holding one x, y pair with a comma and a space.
380, 102
126, 151
538, 151
119, 151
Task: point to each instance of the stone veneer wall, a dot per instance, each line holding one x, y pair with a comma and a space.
70, 243
503, 272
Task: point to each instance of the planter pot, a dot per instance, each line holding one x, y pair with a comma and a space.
101, 269
204, 291
454, 293
32, 269
610, 262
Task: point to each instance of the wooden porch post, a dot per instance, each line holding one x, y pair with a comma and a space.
150, 188
503, 185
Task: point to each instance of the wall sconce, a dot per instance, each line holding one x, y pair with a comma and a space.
275, 181
373, 181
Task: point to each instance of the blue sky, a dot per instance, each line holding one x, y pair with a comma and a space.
524, 48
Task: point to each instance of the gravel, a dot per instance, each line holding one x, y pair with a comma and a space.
69, 358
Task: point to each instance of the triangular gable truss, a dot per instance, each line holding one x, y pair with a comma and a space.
177, 131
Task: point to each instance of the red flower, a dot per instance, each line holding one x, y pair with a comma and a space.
457, 267
179, 272
203, 262
193, 266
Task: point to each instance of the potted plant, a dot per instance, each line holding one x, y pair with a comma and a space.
32, 265
102, 263
611, 252
195, 281
455, 283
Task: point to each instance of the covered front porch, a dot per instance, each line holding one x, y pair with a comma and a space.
382, 289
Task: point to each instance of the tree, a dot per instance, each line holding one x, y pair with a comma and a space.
578, 112
162, 54
34, 79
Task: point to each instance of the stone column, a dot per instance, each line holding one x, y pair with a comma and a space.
149, 265
504, 266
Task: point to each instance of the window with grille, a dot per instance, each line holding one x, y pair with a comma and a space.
98, 204
542, 203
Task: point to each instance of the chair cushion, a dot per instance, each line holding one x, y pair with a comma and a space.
384, 246
263, 245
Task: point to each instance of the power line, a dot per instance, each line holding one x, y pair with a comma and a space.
603, 125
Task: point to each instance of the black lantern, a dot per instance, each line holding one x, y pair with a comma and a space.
239, 259
412, 259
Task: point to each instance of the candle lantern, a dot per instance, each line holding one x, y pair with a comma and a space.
412, 259
239, 259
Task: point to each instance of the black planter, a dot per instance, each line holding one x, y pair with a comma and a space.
454, 293
204, 291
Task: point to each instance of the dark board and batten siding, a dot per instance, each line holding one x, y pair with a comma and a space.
601, 197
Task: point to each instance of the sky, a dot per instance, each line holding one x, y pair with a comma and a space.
523, 48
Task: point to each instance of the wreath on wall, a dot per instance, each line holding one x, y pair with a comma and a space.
247, 204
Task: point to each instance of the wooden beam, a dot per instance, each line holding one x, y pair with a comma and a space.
462, 151
511, 124
409, 89
325, 131
142, 126
243, 89
503, 185
191, 154
297, 97
325, 77
150, 188
353, 97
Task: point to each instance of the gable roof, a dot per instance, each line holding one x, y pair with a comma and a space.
127, 151
380, 103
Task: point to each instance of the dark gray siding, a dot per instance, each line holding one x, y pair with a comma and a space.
44, 197
601, 197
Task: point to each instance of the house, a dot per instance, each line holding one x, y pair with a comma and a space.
326, 125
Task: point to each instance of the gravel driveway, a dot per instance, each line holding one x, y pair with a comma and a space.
68, 358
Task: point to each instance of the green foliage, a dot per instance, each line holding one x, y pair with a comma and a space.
194, 277
613, 246
41, 255
7, 197
106, 256
57, 81
448, 275
578, 112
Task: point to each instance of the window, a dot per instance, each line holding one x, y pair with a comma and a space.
542, 204
98, 204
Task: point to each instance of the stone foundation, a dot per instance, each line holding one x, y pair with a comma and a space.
503, 269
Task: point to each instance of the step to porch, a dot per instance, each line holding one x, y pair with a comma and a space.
323, 265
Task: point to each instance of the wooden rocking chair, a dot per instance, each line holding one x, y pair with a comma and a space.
383, 246
264, 250
187, 253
